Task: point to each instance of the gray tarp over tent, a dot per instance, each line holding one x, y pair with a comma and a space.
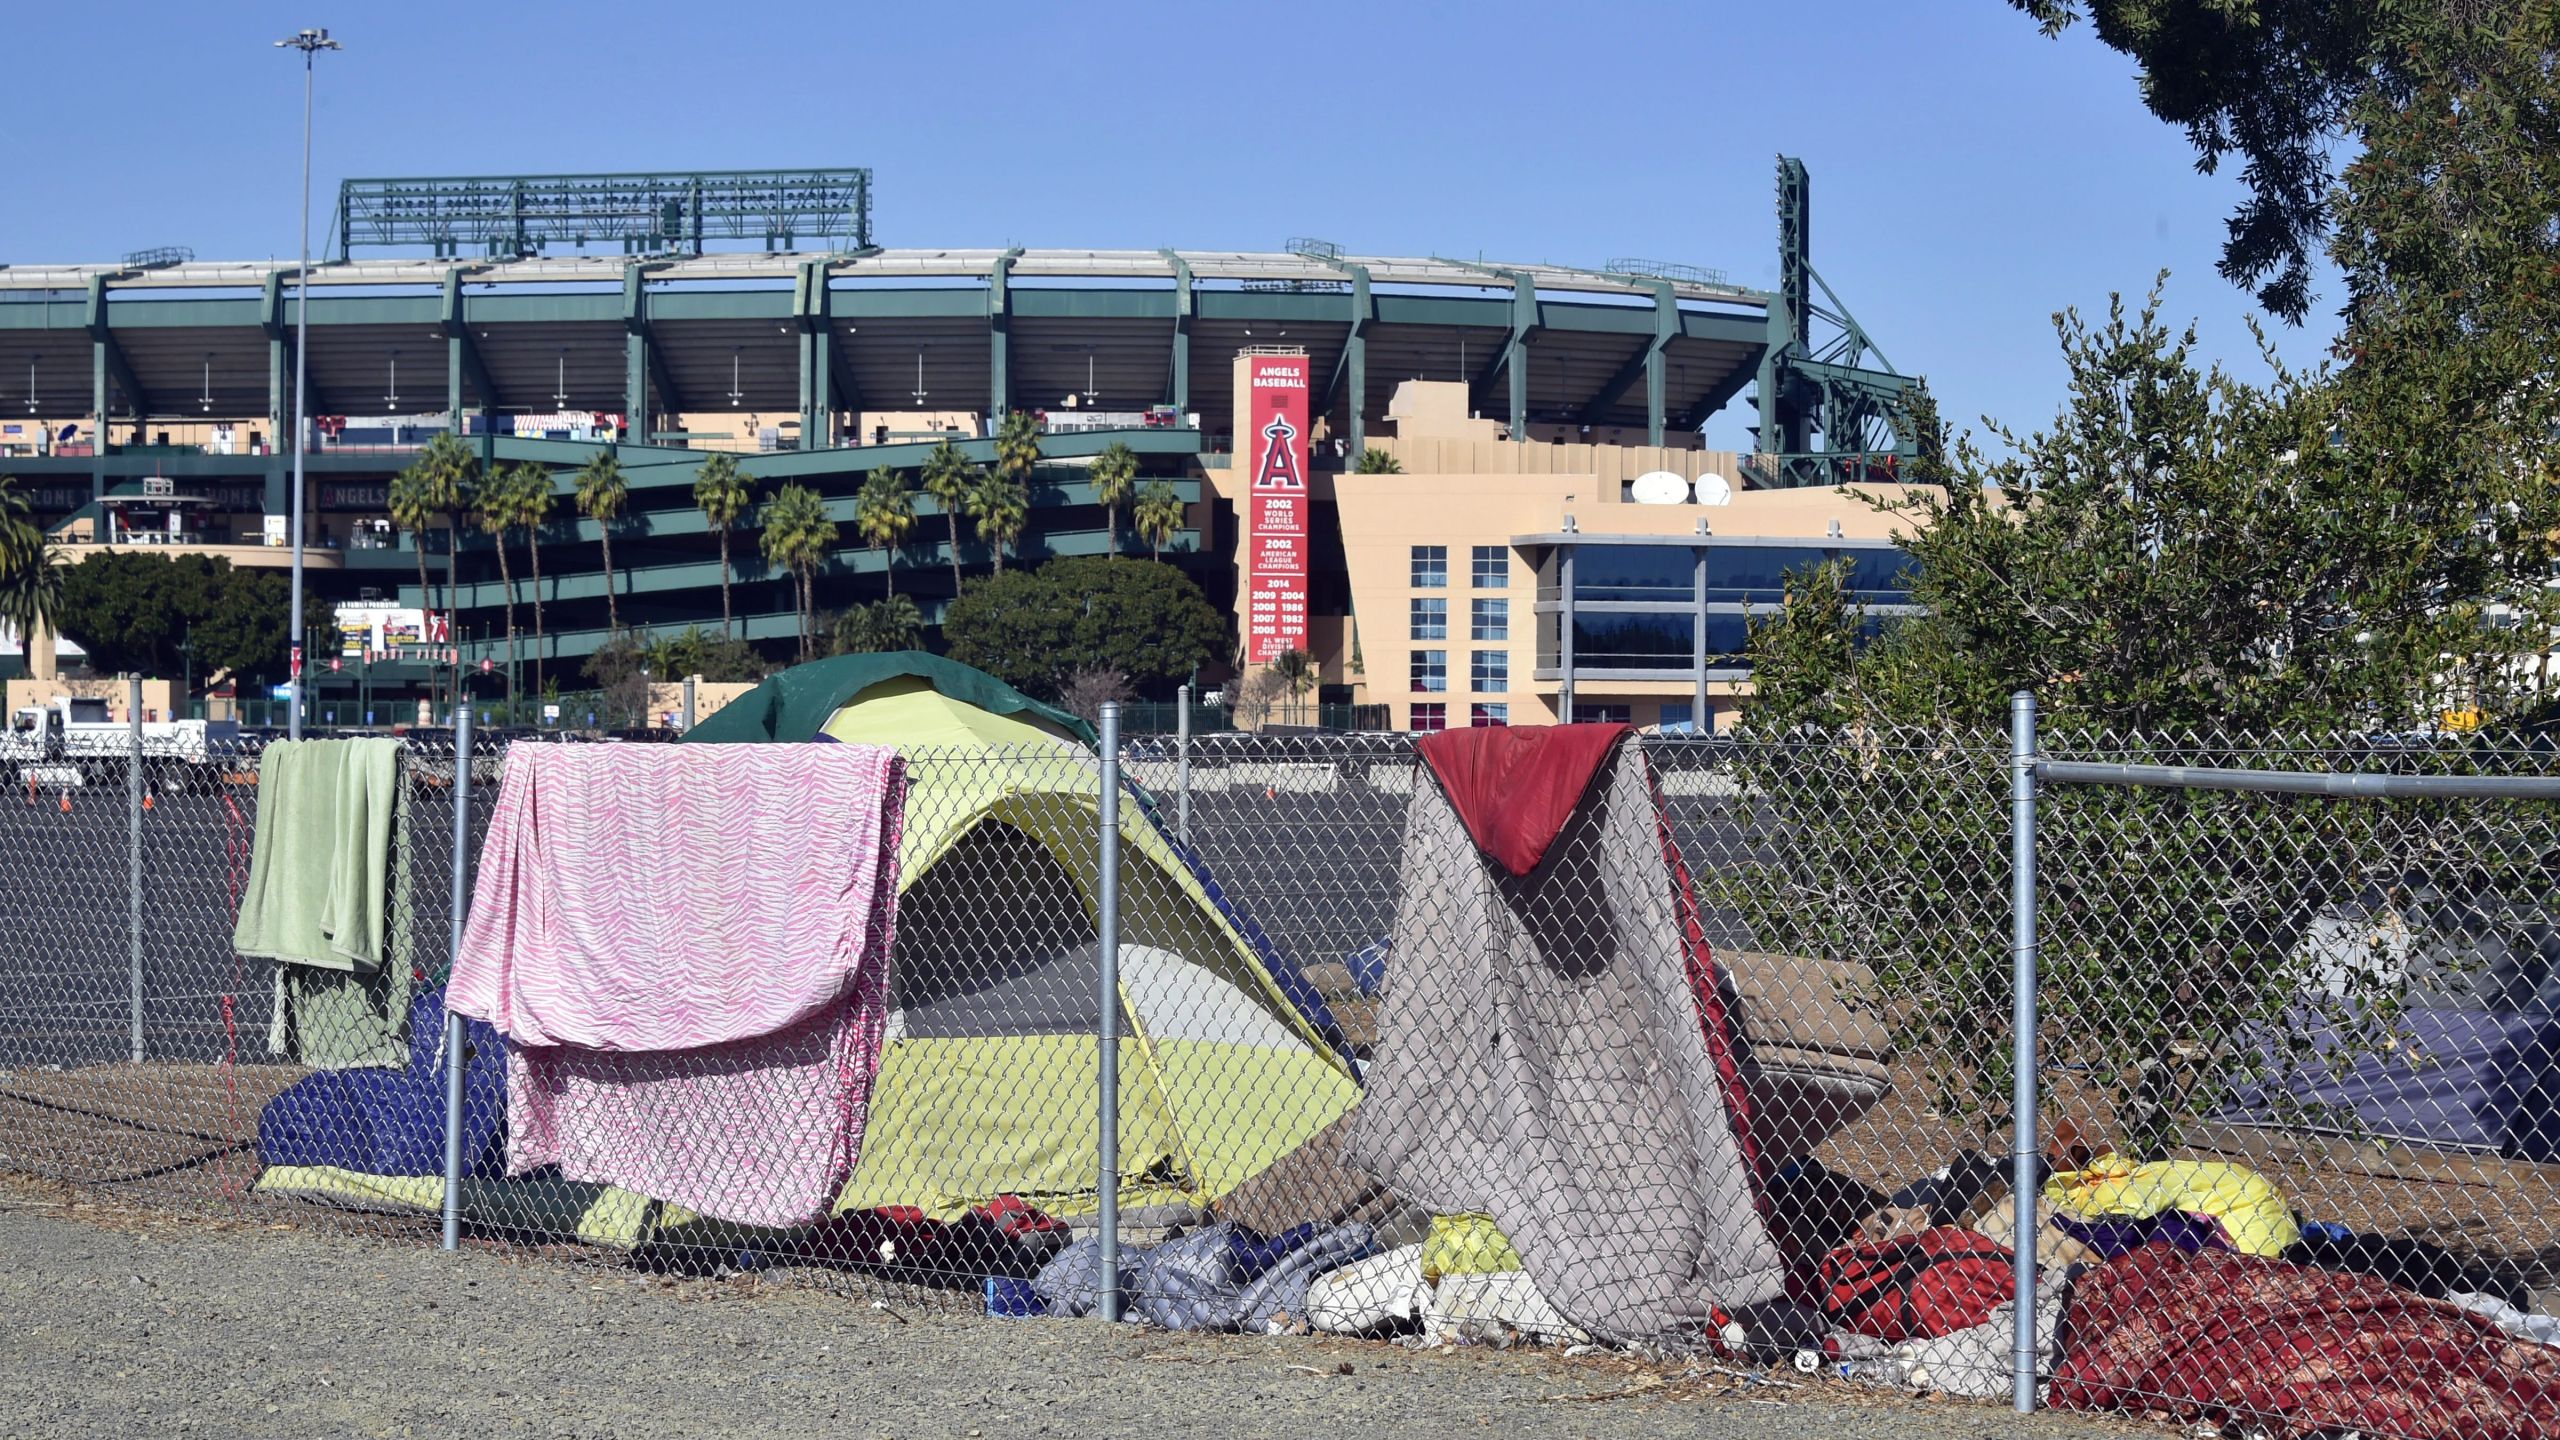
1542, 1056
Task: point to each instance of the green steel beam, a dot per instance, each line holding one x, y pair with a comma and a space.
1352, 368
817, 355
1645, 364
1180, 379
108, 356
279, 378
462, 358
640, 367
1513, 359
999, 389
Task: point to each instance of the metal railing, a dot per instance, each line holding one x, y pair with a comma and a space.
1252, 1032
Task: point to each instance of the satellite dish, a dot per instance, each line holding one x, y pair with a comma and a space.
1659, 487
1714, 489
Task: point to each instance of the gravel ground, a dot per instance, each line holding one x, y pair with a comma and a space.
122, 1325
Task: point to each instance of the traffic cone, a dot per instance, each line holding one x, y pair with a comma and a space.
66, 802
146, 801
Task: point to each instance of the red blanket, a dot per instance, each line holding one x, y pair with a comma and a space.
2221, 1336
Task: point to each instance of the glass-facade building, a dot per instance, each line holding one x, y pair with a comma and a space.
1665, 612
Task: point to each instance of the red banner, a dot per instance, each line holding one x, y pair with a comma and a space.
1276, 599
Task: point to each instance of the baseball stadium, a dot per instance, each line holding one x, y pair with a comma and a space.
1539, 530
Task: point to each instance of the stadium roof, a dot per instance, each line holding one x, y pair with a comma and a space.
888, 330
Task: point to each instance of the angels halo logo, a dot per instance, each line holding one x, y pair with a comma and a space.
1279, 469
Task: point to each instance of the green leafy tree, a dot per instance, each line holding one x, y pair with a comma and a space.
1032, 628
244, 632
129, 611
602, 496
884, 510
723, 493
948, 478
892, 623
2277, 84
710, 654
1159, 515
132, 611
798, 536
1374, 461
1115, 480
1000, 507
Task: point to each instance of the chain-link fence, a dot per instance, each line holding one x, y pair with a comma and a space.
1499, 1038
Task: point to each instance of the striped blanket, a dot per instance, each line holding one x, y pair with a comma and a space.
687, 949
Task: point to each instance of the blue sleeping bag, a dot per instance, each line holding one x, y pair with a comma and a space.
391, 1122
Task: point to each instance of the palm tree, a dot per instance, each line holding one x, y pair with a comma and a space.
1018, 446
884, 510
409, 510
946, 479
1298, 670
30, 583
529, 487
797, 536
1000, 506
1115, 478
1374, 461
722, 492
1159, 514
493, 510
448, 473
602, 494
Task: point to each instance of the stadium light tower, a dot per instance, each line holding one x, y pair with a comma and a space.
310, 43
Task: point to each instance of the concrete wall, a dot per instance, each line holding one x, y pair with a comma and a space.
157, 695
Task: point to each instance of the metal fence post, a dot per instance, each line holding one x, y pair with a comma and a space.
688, 701
133, 869
454, 1059
2022, 955
1108, 1161
1182, 766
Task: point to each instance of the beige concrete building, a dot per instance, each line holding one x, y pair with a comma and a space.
1502, 582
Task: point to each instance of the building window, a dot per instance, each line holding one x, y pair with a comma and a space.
1430, 671
1488, 716
1431, 619
1634, 572
1604, 714
1489, 671
1492, 567
1634, 642
1431, 716
1430, 567
1489, 620
1676, 714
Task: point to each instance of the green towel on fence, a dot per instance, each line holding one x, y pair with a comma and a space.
321, 900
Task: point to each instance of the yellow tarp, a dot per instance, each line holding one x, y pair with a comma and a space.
2252, 1212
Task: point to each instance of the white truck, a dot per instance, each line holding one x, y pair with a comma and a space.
74, 742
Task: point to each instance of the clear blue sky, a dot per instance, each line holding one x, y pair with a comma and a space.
1970, 177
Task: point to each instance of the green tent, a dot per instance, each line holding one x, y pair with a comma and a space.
988, 1083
